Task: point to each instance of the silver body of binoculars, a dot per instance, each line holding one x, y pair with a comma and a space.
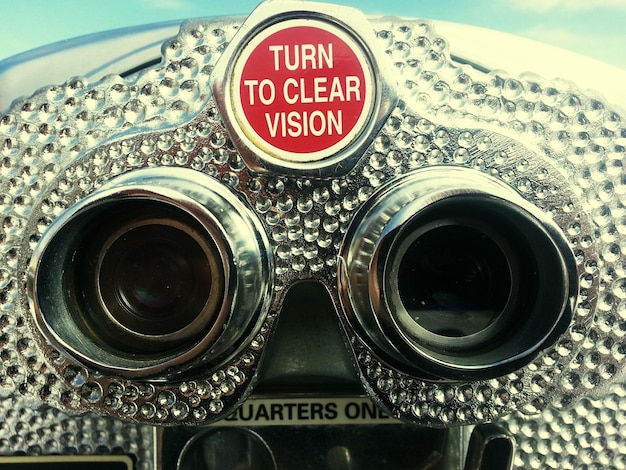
310, 219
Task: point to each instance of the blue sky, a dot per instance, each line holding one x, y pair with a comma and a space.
592, 28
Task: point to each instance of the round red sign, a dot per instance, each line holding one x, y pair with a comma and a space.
302, 90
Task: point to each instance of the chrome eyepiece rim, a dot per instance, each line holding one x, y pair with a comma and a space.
525, 247
191, 258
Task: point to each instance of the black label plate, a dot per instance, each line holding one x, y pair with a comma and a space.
67, 462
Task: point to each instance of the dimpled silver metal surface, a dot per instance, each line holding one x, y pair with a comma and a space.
561, 149
28, 431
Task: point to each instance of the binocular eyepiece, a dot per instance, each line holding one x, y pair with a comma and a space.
449, 273
455, 276
465, 225
148, 272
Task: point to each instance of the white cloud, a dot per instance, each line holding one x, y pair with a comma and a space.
557, 36
608, 47
566, 5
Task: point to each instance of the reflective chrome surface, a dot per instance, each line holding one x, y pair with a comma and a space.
540, 291
545, 147
228, 239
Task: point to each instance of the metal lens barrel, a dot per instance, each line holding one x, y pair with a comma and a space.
140, 275
455, 276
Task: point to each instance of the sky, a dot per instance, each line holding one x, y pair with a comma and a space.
594, 28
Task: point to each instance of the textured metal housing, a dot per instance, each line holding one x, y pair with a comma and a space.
560, 148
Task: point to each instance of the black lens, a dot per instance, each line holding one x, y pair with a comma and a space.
454, 280
148, 277
155, 279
